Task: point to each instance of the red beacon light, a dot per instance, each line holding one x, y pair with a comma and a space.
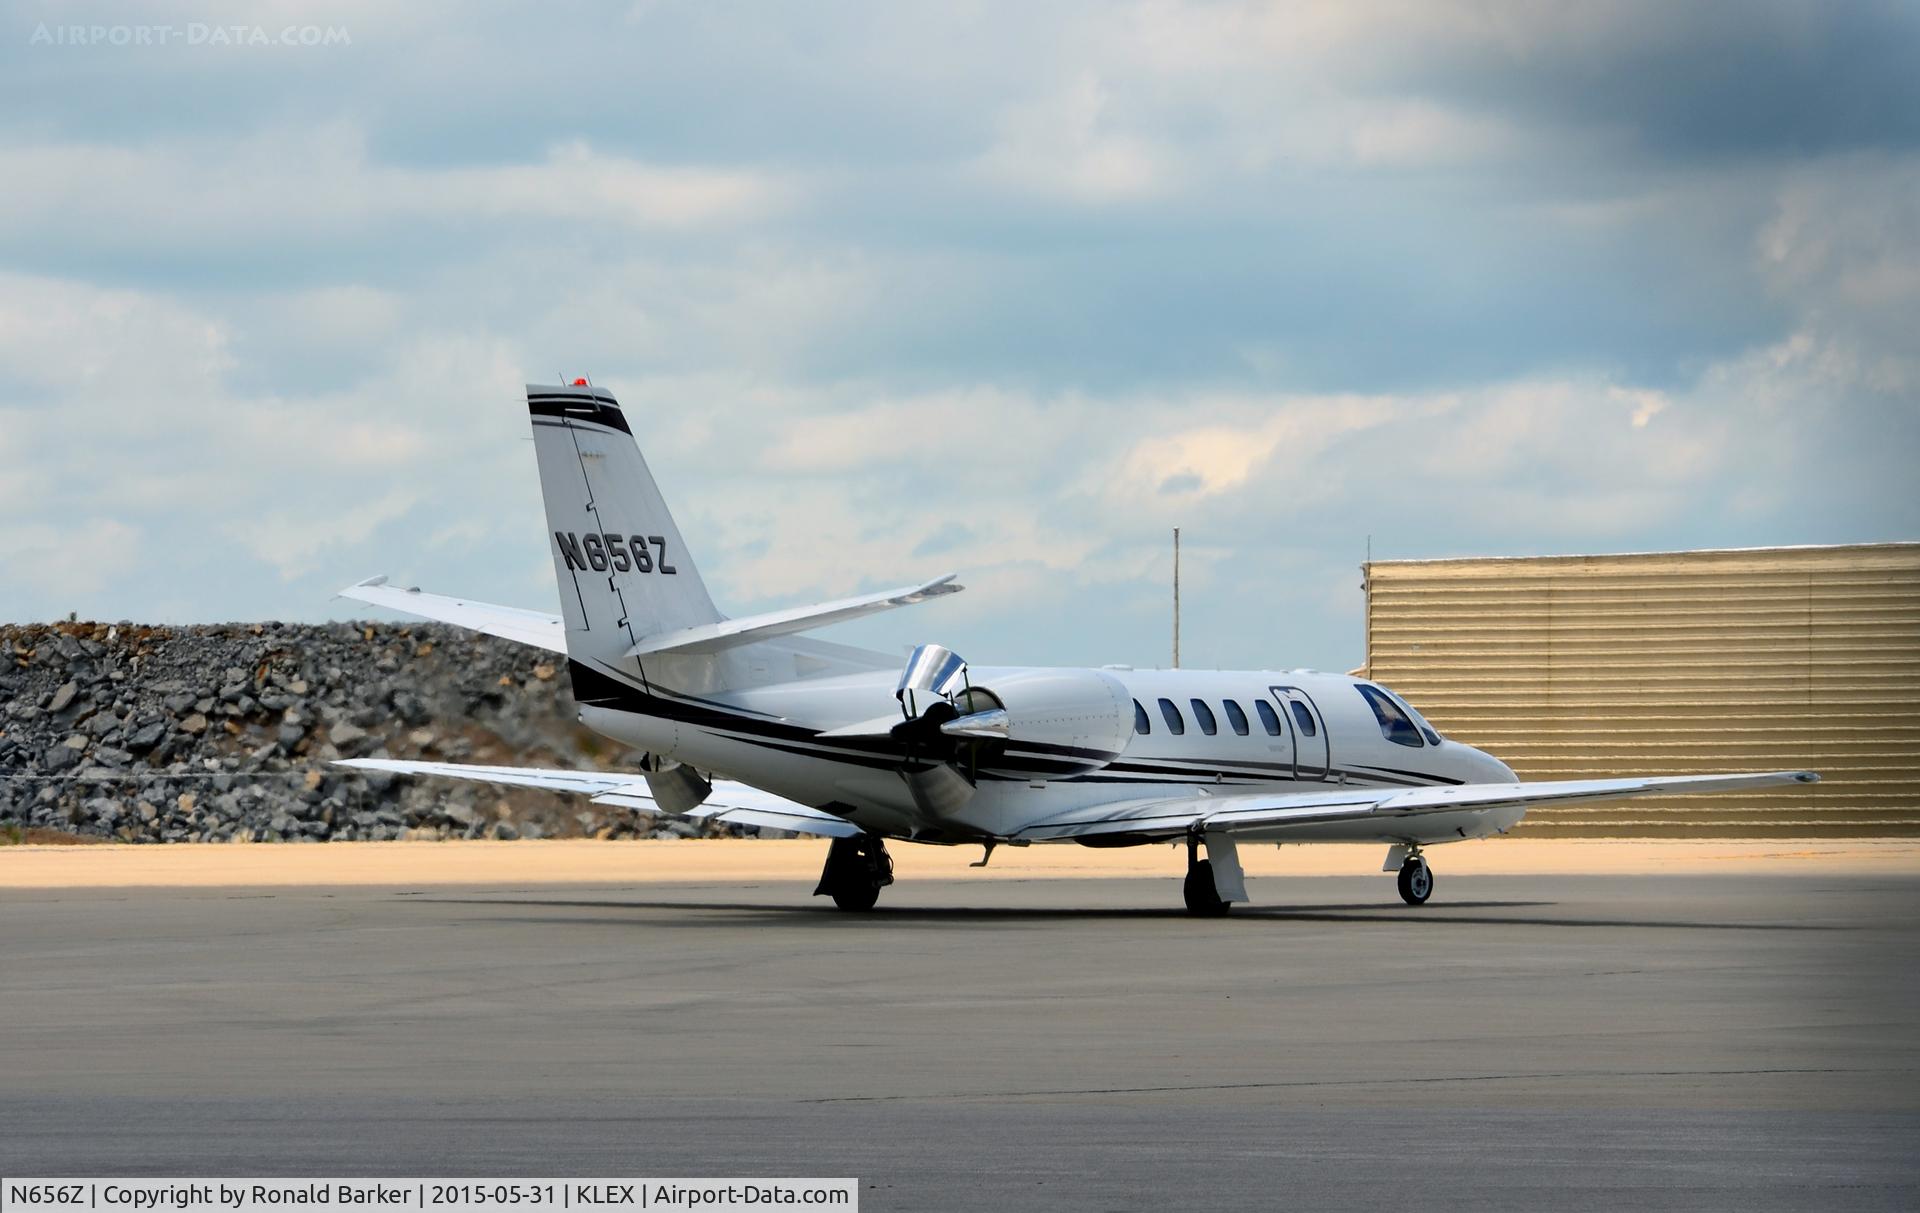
579, 383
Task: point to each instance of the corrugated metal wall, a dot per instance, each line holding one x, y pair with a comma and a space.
1590, 666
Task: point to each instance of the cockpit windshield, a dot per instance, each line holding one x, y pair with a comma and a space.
1396, 718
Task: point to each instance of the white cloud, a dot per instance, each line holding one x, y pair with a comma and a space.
1843, 244
58, 560
1193, 461
1420, 133
292, 185
292, 542
1069, 145
1284, 274
67, 337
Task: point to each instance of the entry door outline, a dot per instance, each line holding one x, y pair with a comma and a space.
1305, 749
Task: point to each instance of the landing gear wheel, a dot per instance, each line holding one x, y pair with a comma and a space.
856, 897
1416, 882
1203, 899
855, 872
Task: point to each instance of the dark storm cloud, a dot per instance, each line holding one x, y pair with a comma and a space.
1706, 81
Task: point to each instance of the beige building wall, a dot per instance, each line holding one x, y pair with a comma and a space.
1591, 666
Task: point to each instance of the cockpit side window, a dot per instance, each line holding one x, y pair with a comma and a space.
1395, 725
1141, 724
1235, 717
1268, 720
1204, 714
1171, 715
1419, 721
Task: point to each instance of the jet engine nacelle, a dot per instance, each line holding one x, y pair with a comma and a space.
1059, 722
1027, 724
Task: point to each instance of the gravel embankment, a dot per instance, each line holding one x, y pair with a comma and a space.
217, 732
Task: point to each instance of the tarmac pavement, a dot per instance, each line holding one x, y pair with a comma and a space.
1646, 1041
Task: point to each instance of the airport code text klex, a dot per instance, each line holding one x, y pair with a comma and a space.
605, 1194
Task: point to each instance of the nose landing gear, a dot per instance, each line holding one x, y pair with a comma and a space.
1416, 880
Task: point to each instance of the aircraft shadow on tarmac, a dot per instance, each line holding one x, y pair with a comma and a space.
731, 913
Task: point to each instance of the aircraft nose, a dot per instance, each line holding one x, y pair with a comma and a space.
1492, 770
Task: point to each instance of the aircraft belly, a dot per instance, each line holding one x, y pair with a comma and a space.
654, 734
880, 800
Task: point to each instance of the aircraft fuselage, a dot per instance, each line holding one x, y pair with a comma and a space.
1250, 731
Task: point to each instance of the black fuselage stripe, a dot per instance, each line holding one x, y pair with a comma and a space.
1421, 775
599, 688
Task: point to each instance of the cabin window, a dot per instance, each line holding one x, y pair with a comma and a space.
1303, 717
1395, 725
1171, 715
1235, 717
1204, 714
1268, 719
1141, 724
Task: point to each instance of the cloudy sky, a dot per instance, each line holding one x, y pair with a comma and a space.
896, 289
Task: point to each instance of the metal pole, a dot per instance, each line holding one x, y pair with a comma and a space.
1176, 598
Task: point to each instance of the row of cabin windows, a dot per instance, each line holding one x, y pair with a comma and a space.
1236, 717
1398, 724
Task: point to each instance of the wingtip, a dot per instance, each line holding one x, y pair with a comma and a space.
1806, 777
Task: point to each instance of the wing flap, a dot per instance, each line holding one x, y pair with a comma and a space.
532, 628
1174, 816
1568, 791
729, 801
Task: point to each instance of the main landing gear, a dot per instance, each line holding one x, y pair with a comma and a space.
856, 870
1203, 884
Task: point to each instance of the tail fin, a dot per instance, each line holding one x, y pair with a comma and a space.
624, 572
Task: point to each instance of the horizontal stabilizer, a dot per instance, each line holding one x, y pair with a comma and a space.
531, 628
728, 633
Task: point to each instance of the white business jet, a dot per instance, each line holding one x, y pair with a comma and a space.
745, 721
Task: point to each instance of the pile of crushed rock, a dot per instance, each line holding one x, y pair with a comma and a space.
224, 732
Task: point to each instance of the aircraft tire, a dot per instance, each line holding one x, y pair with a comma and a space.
1416, 882
856, 896
1203, 899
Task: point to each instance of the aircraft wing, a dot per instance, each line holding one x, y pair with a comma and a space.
729, 801
533, 628
730, 632
1171, 817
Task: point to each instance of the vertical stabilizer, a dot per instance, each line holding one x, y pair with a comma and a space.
624, 572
